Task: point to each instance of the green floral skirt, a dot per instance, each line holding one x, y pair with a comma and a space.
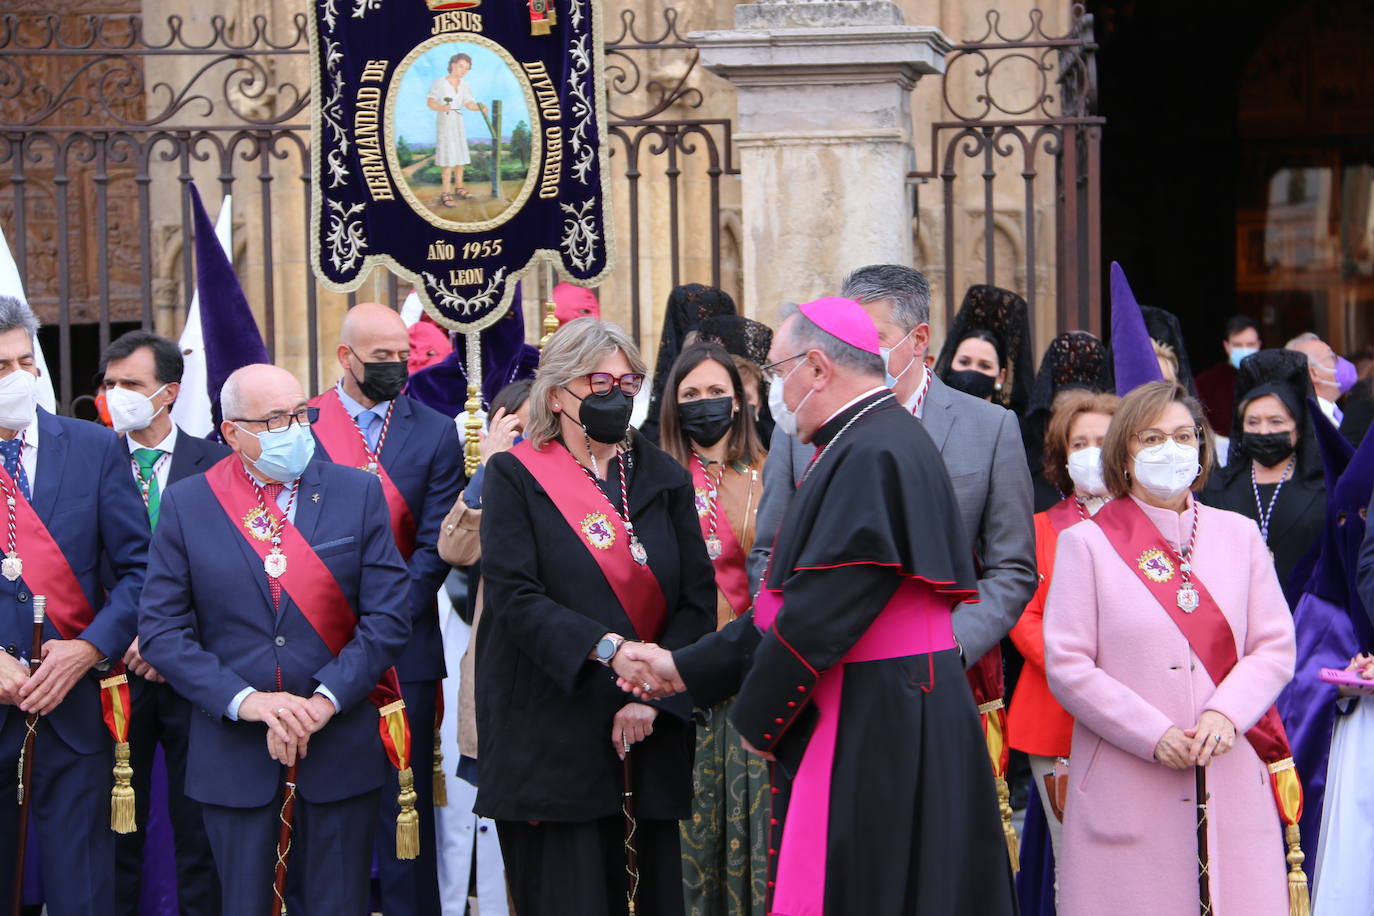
725, 844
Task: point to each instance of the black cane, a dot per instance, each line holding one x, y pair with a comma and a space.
1204, 880
40, 605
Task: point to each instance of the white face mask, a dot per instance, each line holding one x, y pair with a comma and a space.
1085, 469
889, 379
18, 400
785, 417
131, 411
1168, 470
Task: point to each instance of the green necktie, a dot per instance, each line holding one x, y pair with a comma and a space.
147, 459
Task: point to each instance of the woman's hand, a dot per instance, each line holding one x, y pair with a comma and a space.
1212, 736
1172, 749
500, 434
1363, 665
632, 724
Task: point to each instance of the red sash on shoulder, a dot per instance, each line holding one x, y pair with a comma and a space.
585, 509
1143, 549
731, 577
344, 443
47, 573
314, 590
1064, 514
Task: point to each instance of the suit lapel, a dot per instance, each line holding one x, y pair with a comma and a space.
309, 499
188, 459
52, 464
938, 417
397, 432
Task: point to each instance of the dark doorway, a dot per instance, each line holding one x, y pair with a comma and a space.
1238, 163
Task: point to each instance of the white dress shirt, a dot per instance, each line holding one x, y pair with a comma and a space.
163, 469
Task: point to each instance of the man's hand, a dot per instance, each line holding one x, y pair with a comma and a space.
501, 432
289, 717
64, 662
1212, 736
322, 708
1173, 749
285, 752
631, 725
136, 665
744, 742
647, 670
13, 675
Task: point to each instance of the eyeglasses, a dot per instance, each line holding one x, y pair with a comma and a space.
1186, 436
603, 382
771, 370
306, 416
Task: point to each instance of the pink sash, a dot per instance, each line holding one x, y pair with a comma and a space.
914, 622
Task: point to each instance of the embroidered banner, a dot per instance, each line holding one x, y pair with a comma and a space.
458, 143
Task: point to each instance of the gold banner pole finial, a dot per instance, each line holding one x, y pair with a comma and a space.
550, 307
472, 426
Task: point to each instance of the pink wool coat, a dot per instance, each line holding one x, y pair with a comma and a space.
1123, 669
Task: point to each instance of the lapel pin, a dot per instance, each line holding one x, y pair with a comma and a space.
315, 498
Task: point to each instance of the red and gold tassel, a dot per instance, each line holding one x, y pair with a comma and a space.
395, 732
116, 705
1283, 779
994, 715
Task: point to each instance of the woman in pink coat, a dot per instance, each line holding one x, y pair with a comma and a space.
1146, 709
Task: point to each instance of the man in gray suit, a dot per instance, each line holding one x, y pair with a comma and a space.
979, 441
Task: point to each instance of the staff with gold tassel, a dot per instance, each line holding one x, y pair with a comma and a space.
1204, 878
627, 807
287, 818
40, 606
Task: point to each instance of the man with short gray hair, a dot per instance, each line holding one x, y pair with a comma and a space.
979, 442
72, 508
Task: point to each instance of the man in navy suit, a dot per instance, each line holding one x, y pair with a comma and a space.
142, 377
242, 614
74, 509
366, 422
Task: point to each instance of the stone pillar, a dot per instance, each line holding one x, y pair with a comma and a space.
824, 138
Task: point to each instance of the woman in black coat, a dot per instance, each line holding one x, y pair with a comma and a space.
589, 537
1273, 472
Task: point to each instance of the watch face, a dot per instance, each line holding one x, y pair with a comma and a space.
605, 649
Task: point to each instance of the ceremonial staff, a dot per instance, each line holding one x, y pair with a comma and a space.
40, 605
288, 813
631, 854
1204, 881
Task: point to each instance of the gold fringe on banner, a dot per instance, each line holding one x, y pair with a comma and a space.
440, 782
1299, 902
122, 819
1013, 844
408, 821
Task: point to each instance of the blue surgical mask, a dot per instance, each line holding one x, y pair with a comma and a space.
284, 454
1239, 353
889, 379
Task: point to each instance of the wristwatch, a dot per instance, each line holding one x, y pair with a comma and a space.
607, 647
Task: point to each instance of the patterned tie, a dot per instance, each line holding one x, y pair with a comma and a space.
147, 459
270, 492
11, 449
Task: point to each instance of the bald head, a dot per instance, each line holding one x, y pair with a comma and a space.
371, 333
258, 391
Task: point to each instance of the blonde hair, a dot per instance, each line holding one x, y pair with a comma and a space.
1137, 411
575, 349
1166, 352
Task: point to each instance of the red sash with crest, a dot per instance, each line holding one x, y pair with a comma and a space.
344, 443
315, 591
46, 572
731, 577
585, 508
1143, 549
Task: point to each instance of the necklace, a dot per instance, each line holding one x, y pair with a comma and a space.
1267, 512
374, 456
843, 429
1188, 597
713, 544
637, 551
274, 564
12, 566
921, 396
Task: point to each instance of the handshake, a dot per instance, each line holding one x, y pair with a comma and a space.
647, 671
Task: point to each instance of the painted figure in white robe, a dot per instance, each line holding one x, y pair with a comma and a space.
447, 97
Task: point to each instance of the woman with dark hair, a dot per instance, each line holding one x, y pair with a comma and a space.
747, 341
1274, 472
706, 427
689, 306
987, 352
1167, 639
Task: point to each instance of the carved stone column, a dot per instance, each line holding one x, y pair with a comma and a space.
824, 132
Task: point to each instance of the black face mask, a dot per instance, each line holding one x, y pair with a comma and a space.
1268, 448
606, 417
382, 381
707, 420
972, 382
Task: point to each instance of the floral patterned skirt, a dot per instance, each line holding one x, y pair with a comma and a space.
725, 843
